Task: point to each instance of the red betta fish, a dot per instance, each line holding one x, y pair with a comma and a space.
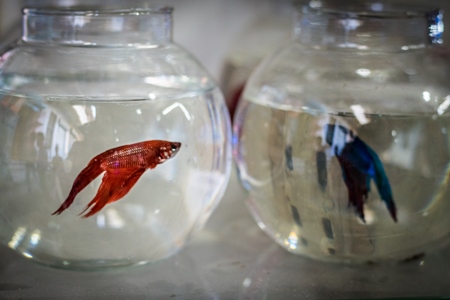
123, 166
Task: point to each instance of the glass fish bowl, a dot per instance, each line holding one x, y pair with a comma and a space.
341, 138
114, 141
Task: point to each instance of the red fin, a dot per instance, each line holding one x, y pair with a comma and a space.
86, 176
127, 185
115, 185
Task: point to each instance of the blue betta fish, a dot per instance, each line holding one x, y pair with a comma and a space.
359, 164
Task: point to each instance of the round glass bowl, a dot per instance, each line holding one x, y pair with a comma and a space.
342, 137
83, 82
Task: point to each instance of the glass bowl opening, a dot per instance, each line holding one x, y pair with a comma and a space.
373, 9
95, 11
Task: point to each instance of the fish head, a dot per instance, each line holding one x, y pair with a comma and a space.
174, 148
168, 150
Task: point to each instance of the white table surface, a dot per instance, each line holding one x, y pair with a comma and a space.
230, 259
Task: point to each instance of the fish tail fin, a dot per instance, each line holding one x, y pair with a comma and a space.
368, 184
356, 185
114, 187
104, 193
383, 186
391, 208
126, 186
86, 176
356, 199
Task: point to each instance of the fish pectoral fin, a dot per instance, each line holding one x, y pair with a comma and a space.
115, 185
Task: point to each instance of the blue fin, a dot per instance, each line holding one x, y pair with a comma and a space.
359, 164
382, 183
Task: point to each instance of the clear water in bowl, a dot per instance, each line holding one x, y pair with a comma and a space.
46, 143
298, 194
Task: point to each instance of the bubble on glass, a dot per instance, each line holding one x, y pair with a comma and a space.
247, 282
444, 106
363, 72
360, 114
377, 6
426, 96
293, 240
35, 237
17, 237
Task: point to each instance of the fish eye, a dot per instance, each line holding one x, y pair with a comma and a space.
174, 148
